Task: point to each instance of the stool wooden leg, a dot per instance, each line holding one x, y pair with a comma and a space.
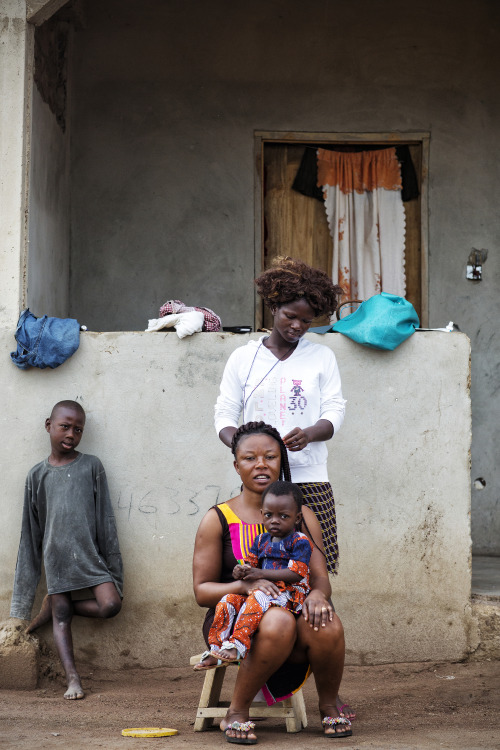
210, 696
298, 720
299, 711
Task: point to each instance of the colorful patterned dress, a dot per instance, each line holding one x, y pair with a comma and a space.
238, 616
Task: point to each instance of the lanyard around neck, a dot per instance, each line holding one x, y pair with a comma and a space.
245, 400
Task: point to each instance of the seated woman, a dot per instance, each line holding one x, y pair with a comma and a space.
285, 647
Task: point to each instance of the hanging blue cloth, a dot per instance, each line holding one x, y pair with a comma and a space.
44, 342
383, 321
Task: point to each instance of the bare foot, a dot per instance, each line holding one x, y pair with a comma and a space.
333, 723
43, 616
228, 654
75, 690
208, 662
345, 709
238, 729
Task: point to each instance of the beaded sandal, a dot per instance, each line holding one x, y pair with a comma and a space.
237, 726
334, 721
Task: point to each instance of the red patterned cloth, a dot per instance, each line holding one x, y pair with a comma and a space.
212, 321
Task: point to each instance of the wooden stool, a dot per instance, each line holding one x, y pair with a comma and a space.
210, 707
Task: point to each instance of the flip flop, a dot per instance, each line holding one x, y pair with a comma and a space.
237, 726
332, 721
201, 668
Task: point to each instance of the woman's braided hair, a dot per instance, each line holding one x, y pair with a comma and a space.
261, 428
290, 279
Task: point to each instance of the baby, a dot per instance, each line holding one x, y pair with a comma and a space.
280, 555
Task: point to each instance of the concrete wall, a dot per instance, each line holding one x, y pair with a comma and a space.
399, 468
166, 99
49, 214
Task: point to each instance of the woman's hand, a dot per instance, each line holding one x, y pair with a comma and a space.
317, 610
260, 584
296, 440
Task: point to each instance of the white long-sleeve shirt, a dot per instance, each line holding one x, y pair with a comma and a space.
295, 392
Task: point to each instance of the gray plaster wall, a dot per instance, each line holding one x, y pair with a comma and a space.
14, 60
166, 100
49, 214
399, 467
167, 97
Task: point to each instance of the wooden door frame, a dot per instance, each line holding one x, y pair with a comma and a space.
261, 137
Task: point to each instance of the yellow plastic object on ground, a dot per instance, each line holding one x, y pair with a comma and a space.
149, 732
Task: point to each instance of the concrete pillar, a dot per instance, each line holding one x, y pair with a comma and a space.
15, 95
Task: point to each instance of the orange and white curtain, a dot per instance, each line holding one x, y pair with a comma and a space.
364, 207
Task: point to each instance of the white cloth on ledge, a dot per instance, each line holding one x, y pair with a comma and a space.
185, 323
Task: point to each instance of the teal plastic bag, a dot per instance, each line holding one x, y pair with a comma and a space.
382, 322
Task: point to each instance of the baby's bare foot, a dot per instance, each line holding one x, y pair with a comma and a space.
43, 616
228, 654
75, 690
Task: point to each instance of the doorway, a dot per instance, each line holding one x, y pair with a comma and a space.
290, 223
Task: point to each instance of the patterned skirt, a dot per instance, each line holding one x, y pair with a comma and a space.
318, 496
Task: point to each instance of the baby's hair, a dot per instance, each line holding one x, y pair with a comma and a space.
261, 428
280, 488
67, 405
290, 279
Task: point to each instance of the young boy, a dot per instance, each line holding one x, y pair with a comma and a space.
281, 555
68, 522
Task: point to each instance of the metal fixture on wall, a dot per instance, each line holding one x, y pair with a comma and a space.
475, 264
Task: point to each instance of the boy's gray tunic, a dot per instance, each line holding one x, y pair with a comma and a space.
68, 522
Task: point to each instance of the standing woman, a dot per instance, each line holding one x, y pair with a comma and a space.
292, 384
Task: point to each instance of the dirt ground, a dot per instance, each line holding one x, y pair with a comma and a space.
399, 706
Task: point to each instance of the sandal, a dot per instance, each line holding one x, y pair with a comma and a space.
237, 726
333, 721
200, 667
